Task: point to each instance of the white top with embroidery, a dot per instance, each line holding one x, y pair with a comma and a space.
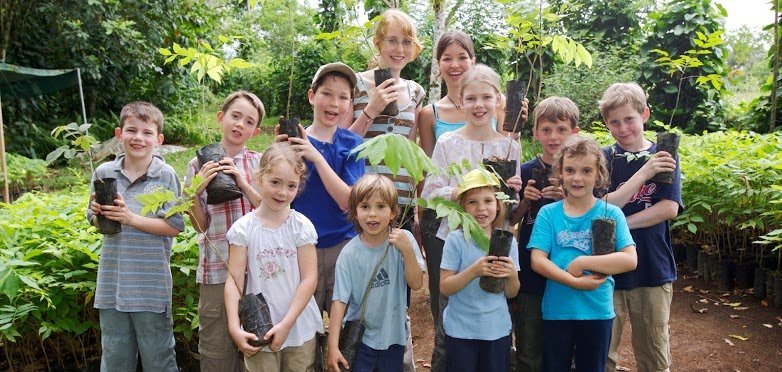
273, 266
453, 148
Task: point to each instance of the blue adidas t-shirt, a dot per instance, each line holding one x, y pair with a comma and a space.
531, 282
656, 265
564, 238
386, 304
331, 223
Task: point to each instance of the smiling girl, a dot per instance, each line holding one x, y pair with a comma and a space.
578, 307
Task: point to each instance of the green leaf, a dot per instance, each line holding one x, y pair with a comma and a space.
164, 51
9, 282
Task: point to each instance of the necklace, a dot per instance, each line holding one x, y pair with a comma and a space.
459, 108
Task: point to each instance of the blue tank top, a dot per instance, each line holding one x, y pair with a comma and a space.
442, 126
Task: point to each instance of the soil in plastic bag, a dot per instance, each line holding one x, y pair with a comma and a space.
514, 90
603, 237
382, 75
290, 127
499, 245
668, 142
504, 169
540, 175
105, 193
223, 187
349, 341
255, 317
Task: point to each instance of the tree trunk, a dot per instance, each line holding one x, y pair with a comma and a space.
438, 30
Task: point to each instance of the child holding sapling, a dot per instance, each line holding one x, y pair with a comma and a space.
327, 150
644, 295
273, 250
475, 142
372, 275
239, 119
577, 303
477, 323
133, 288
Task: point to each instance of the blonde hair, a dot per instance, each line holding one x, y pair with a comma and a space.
143, 111
480, 73
578, 147
499, 219
367, 186
620, 95
555, 108
250, 97
394, 17
282, 152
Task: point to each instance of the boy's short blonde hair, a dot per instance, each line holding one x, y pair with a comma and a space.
480, 73
143, 111
578, 147
620, 95
555, 108
394, 17
368, 185
250, 97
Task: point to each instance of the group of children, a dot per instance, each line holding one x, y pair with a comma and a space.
317, 230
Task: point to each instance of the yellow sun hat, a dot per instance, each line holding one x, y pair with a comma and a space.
477, 178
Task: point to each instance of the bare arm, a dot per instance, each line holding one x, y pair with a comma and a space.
413, 274
379, 97
609, 264
452, 282
659, 162
308, 270
335, 186
543, 266
336, 315
237, 264
664, 210
426, 129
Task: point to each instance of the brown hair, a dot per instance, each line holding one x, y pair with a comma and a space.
250, 97
499, 219
480, 73
454, 37
278, 152
620, 95
394, 17
368, 185
143, 111
555, 108
578, 147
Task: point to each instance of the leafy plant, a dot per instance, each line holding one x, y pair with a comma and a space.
689, 60
81, 141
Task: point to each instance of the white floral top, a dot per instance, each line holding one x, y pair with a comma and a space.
273, 268
453, 148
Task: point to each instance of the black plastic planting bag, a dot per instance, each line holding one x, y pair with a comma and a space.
505, 169
350, 340
105, 193
499, 245
223, 187
382, 75
255, 317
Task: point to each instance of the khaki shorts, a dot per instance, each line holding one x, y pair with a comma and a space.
217, 348
648, 309
327, 263
290, 359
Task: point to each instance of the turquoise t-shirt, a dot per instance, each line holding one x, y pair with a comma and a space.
386, 305
564, 238
473, 313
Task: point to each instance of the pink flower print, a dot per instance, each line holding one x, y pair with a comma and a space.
270, 269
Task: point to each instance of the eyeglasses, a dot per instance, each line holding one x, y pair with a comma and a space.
394, 42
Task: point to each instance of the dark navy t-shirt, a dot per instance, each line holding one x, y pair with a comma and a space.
531, 282
314, 201
656, 265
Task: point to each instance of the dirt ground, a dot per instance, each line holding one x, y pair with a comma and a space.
735, 332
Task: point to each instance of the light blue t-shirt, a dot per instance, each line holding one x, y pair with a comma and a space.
473, 313
386, 306
564, 238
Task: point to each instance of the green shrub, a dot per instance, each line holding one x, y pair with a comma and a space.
24, 173
48, 268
